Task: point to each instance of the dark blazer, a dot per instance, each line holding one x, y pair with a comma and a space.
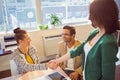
100, 62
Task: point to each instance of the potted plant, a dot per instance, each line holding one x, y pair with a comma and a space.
54, 20
43, 27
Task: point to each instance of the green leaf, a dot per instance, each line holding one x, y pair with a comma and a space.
40, 26
54, 19
46, 26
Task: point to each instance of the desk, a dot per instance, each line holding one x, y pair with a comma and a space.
28, 76
35, 74
5, 52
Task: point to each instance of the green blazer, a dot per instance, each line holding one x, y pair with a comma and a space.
100, 62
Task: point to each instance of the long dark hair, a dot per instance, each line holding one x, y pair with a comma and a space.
106, 13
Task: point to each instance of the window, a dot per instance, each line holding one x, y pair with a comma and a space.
22, 13
17, 13
22, 1
2, 28
67, 10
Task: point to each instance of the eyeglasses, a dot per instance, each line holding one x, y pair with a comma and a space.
66, 34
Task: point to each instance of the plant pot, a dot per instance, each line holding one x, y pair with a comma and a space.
51, 26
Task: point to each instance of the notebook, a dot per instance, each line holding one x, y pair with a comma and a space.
56, 76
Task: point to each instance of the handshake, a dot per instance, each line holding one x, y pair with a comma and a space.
53, 64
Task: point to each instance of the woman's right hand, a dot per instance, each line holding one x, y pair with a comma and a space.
52, 64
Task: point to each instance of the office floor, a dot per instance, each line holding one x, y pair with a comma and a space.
5, 73
5, 66
5, 62
117, 76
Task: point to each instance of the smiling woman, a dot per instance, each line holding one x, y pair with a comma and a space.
25, 56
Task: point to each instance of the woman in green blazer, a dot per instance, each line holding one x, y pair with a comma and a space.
100, 48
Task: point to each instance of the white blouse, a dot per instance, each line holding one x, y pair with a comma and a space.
87, 48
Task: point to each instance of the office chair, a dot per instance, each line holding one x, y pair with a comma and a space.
13, 68
117, 72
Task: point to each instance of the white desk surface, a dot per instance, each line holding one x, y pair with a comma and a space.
35, 75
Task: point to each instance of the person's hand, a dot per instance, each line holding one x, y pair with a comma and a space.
74, 75
52, 64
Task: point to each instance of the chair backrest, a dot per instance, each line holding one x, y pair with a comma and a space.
117, 35
13, 67
117, 72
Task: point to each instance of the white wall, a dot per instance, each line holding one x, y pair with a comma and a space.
36, 36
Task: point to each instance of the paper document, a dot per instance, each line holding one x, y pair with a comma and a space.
43, 78
50, 74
